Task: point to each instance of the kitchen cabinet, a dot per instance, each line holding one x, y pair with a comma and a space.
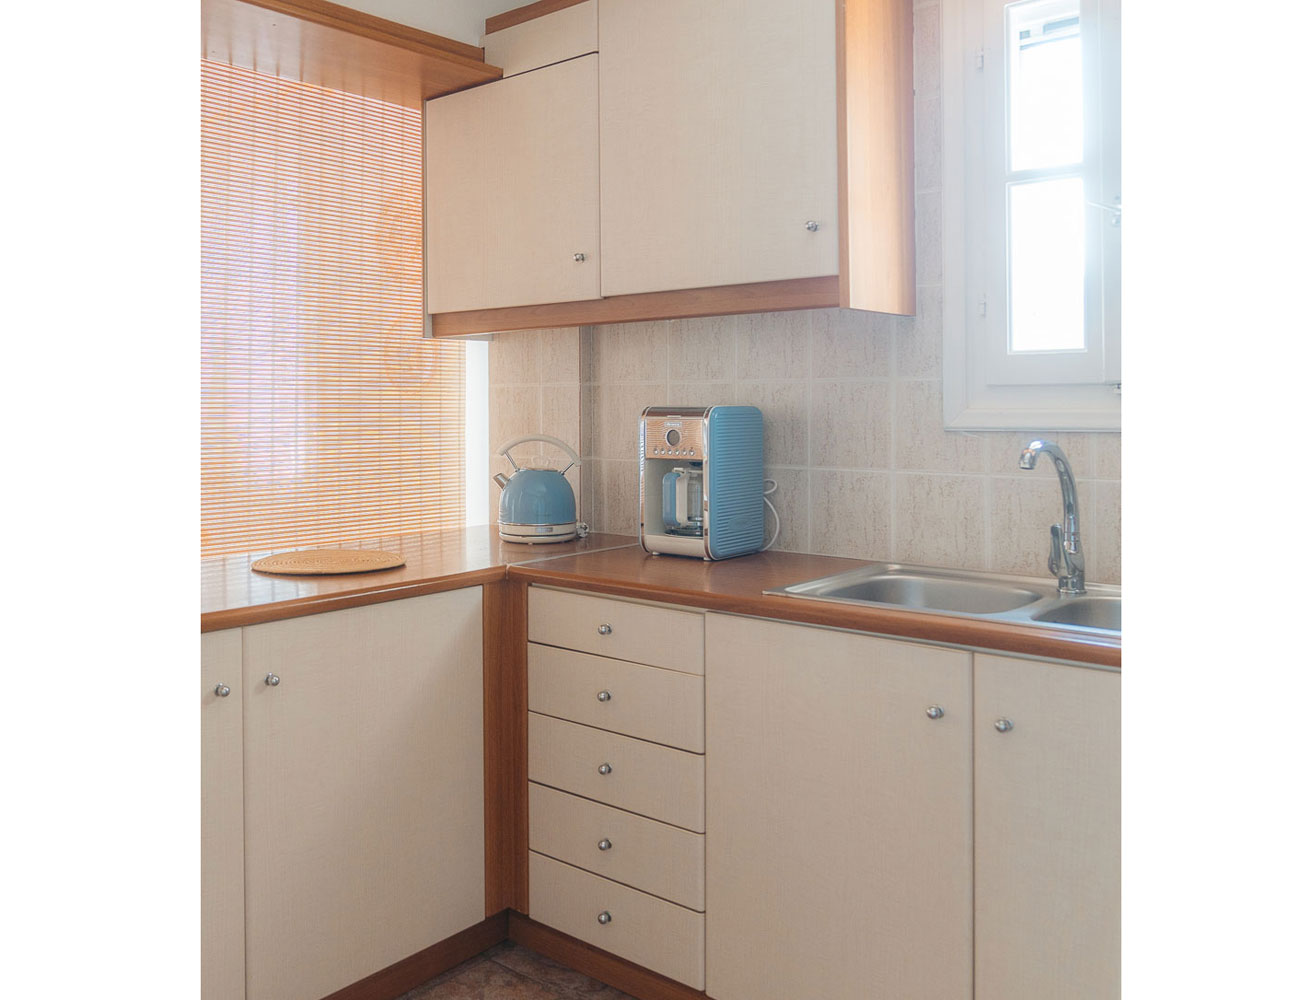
717, 143
616, 780
843, 794
838, 859
512, 187
1047, 830
222, 816
751, 156
363, 789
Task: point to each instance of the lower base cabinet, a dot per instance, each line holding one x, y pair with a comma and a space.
1047, 830
362, 794
905, 822
838, 860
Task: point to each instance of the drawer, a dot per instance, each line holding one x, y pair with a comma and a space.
657, 858
644, 778
642, 928
650, 703
663, 637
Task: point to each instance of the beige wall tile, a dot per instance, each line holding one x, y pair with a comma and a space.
940, 520
512, 411
560, 414
791, 502
1101, 538
1106, 449
929, 144
918, 340
785, 419
929, 239
512, 359
849, 425
772, 346
849, 513
557, 355
1021, 514
925, 51
920, 441
702, 350
701, 393
615, 498
629, 352
617, 417
848, 343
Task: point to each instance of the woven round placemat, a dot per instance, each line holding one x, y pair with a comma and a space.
320, 562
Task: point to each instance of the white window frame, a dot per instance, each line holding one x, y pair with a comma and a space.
974, 281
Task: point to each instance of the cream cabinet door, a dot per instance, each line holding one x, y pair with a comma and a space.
512, 175
717, 143
838, 855
1047, 831
363, 809
222, 818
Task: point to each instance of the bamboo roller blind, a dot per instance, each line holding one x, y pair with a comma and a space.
326, 417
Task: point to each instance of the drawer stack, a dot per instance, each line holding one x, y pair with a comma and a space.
616, 777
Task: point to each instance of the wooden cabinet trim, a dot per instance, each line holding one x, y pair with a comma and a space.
509, 18
763, 296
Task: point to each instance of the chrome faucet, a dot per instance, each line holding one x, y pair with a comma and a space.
1066, 558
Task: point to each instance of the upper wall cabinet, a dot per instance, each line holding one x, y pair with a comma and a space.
512, 191
746, 156
717, 143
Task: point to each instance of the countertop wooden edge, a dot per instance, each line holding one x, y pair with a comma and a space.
315, 604
916, 625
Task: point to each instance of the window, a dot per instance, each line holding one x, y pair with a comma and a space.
326, 416
1031, 214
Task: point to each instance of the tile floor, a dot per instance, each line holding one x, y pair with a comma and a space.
508, 971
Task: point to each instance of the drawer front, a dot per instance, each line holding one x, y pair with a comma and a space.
654, 857
642, 928
650, 703
663, 637
644, 778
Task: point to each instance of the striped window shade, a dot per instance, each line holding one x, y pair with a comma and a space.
326, 417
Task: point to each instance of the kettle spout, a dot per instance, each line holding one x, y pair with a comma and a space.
500, 479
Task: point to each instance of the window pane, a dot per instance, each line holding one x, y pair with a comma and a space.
1046, 265
1044, 84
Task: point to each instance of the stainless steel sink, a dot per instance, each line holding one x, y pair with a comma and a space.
989, 596
1086, 611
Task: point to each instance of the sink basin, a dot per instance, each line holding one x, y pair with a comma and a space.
1022, 600
1085, 611
910, 589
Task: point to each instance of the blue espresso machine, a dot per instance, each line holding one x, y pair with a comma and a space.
702, 481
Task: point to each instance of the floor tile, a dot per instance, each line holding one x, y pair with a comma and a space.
507, 971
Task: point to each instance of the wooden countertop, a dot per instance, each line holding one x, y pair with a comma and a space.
234, 595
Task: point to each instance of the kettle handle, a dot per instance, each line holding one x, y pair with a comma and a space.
546, 439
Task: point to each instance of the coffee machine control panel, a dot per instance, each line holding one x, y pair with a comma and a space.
666, 437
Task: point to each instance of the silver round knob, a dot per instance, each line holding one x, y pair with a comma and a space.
604, 769
812, 226
604, 696
222, 691
579, 257
934, 712
272, 680
606, 629
605, 845
1004, 725
603, 917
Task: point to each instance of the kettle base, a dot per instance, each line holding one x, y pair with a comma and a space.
535, 534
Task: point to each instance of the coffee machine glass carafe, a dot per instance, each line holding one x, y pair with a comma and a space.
683, 502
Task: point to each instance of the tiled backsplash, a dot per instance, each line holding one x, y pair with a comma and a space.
852, 408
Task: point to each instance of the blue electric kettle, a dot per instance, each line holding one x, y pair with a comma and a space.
537, 504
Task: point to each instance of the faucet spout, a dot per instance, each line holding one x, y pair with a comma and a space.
1066, 559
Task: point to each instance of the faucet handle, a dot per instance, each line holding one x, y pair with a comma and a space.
1057, 555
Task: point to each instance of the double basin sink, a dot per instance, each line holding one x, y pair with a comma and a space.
1019, 600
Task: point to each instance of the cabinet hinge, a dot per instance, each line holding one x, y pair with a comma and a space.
983, 306
979, 59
